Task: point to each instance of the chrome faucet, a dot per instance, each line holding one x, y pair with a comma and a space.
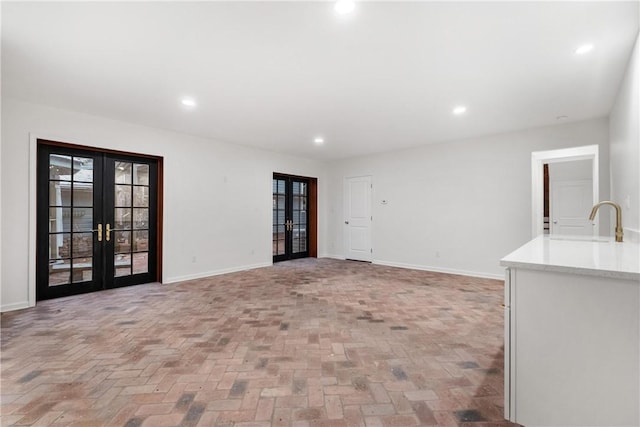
618, 217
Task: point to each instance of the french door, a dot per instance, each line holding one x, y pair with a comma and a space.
290, 217
96, 221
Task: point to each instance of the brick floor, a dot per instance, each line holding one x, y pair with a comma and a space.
303, 343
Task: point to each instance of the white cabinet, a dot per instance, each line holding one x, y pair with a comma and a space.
572, 342
507, 345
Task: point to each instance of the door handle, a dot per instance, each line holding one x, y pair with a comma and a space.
99, 230
109, 230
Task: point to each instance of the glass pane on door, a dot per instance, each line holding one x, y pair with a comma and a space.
278, 215
131, 219
70, 207
299, 217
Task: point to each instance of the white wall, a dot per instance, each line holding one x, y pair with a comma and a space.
624, 138
458, 206
217, 196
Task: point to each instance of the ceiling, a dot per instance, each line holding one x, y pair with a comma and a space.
276, 75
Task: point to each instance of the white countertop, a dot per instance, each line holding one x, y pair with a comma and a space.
598, 256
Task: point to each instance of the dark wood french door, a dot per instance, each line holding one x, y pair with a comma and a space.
290, 217
96, 221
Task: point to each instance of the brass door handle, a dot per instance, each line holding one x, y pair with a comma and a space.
99, 230
109, 230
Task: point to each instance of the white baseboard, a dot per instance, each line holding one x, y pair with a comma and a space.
441, 270
482, 275
215, 272
332, 256
14, 306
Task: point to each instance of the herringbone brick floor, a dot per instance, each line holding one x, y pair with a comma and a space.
303, 343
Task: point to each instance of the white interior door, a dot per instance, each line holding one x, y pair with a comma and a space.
357, 214
570, 207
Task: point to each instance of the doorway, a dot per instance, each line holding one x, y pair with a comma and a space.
552, 157
294, 217
97, 220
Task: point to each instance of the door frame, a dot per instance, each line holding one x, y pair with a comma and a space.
538, 159
56, 140
312, 224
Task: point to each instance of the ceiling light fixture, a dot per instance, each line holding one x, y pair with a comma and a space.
318, 140
188, 102
585, 48
459, 110
344, 7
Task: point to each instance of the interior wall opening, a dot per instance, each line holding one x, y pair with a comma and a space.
563, 161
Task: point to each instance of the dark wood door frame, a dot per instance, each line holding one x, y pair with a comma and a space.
159, 183
313, 217
312, 224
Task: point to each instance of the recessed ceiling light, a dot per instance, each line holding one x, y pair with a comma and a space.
343, 7
585, 48
318, 140
461, 109
188, 102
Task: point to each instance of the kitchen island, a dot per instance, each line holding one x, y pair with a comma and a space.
572, 332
